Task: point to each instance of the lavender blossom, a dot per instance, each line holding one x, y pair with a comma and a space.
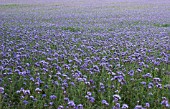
52, 97
125, 106
71, 104
1, 90
116, 98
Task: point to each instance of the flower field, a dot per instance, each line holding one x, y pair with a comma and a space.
85, 54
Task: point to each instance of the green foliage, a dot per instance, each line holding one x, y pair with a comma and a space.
162, 25
71, 29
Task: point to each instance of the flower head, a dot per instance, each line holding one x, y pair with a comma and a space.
105, 102
1, 90
92, 100
147, 105
116, 98
138, 107
71, 103
80, 106
52, 97
125, 106
25, 102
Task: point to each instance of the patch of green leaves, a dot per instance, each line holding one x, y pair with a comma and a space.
72, 29
162, 25
6, 6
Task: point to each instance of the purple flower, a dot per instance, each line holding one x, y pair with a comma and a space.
125, 106
60, 107
138, 107
72, 83
167, 86
32, 79
117, 106
1, 90
116, 98
91, 99
71, 103
45, 105
38, 90
159, 86
89, 93
26, 92
147, 105
148, 75
52, 97
156, 80
139, 70
87, 96
143, 82
165, 102
66, 99
32, 97
150, 85
105, 102
43, 95
25, 102
96, 68
131, 72
80, 106
51, 103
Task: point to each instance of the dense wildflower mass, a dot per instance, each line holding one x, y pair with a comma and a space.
91, 54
